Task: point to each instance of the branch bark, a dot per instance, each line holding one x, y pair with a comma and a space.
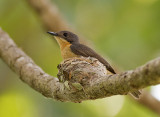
95, 84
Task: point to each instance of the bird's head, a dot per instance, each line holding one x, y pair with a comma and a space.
65, 37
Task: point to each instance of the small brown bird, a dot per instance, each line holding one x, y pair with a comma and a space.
70, 47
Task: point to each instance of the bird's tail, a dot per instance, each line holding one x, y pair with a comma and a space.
136, 94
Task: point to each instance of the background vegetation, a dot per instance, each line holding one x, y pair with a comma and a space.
126, 31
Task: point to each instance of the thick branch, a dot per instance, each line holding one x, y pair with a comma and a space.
93, 88
24, 66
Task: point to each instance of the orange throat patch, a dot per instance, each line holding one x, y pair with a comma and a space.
66, 51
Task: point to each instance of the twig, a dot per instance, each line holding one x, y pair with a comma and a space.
149, 101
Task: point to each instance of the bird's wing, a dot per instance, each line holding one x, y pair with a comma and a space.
85, 51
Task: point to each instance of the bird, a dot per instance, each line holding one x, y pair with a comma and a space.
71, 47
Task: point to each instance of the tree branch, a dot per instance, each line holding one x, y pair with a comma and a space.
92, 83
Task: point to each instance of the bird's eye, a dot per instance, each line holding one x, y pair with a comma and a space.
65, 34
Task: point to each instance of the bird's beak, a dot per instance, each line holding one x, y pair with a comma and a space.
53, 33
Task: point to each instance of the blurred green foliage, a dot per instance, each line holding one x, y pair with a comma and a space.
127, 31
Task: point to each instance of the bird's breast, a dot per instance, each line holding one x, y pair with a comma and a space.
66, 52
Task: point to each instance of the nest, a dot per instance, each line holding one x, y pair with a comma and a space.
80, 70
